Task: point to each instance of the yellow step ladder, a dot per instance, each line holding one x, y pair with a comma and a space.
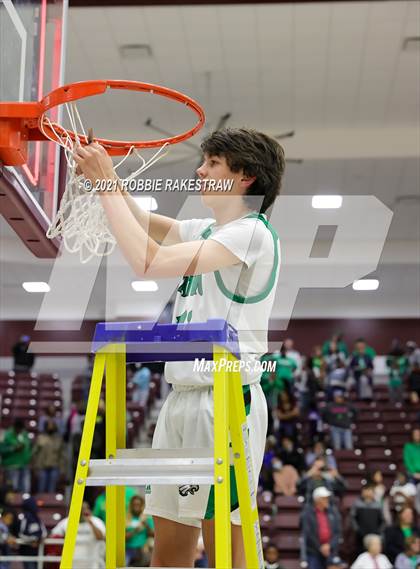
116, 344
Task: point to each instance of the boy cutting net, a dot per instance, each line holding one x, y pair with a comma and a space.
229, 266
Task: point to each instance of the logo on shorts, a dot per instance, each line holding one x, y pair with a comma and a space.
188, 489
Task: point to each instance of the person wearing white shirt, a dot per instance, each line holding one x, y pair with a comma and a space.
402, 490
89, 552
372, 558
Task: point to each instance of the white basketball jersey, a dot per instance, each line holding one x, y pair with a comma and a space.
242, 294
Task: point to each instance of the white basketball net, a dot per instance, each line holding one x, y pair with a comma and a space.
81, 220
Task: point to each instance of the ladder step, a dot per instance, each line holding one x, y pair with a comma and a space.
153, 466
183, 453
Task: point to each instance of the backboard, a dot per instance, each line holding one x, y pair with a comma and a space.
32, 44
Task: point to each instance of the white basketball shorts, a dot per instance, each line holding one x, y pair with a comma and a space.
186, 420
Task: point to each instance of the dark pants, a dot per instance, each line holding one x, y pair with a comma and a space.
47, 480
317, 561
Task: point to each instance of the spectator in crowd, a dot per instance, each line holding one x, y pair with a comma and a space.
315, 423
335, 345
141, 381
372, 558
23, 360
318, 451
334, 355
200, 554
268, 375
31, 531
73, 431
377, 481
308, 386
75, 420
336, 379
86, 376
396, 535
321, 530
321, 475
139, 528
413, 353
367, 349
49, 457
402, 492
99, 507
288, 415
16, 453
89, 552
6, 489
293, 354
272, 557
286, 367
7, 540
361, 366
288, 465
411, 454
410, 559
272, 384
340, 415
318, 363
270, 458
414, 383
289, 455
398, 367
366, 516
51, 414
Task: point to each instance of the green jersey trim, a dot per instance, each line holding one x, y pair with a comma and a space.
271, 281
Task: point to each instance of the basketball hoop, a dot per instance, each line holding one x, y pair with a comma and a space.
81, 220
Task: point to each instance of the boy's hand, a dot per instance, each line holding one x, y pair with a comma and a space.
94, 162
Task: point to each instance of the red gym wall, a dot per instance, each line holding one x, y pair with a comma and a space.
306, 332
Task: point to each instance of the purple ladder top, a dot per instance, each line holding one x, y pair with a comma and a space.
153, 342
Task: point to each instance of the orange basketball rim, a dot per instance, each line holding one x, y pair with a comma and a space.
21, 122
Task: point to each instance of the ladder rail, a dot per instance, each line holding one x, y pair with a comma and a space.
123, 466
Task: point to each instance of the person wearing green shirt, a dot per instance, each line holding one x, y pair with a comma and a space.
268, 377
16, 454
281, 380
410, 559
338, 343
318, 362
139, 528
271, 384
411, 455
361, 347
285, 369
99, 509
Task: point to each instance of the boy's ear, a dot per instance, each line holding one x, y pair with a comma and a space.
248, 180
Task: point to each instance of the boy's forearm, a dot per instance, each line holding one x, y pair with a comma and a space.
159, 227
129, 233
